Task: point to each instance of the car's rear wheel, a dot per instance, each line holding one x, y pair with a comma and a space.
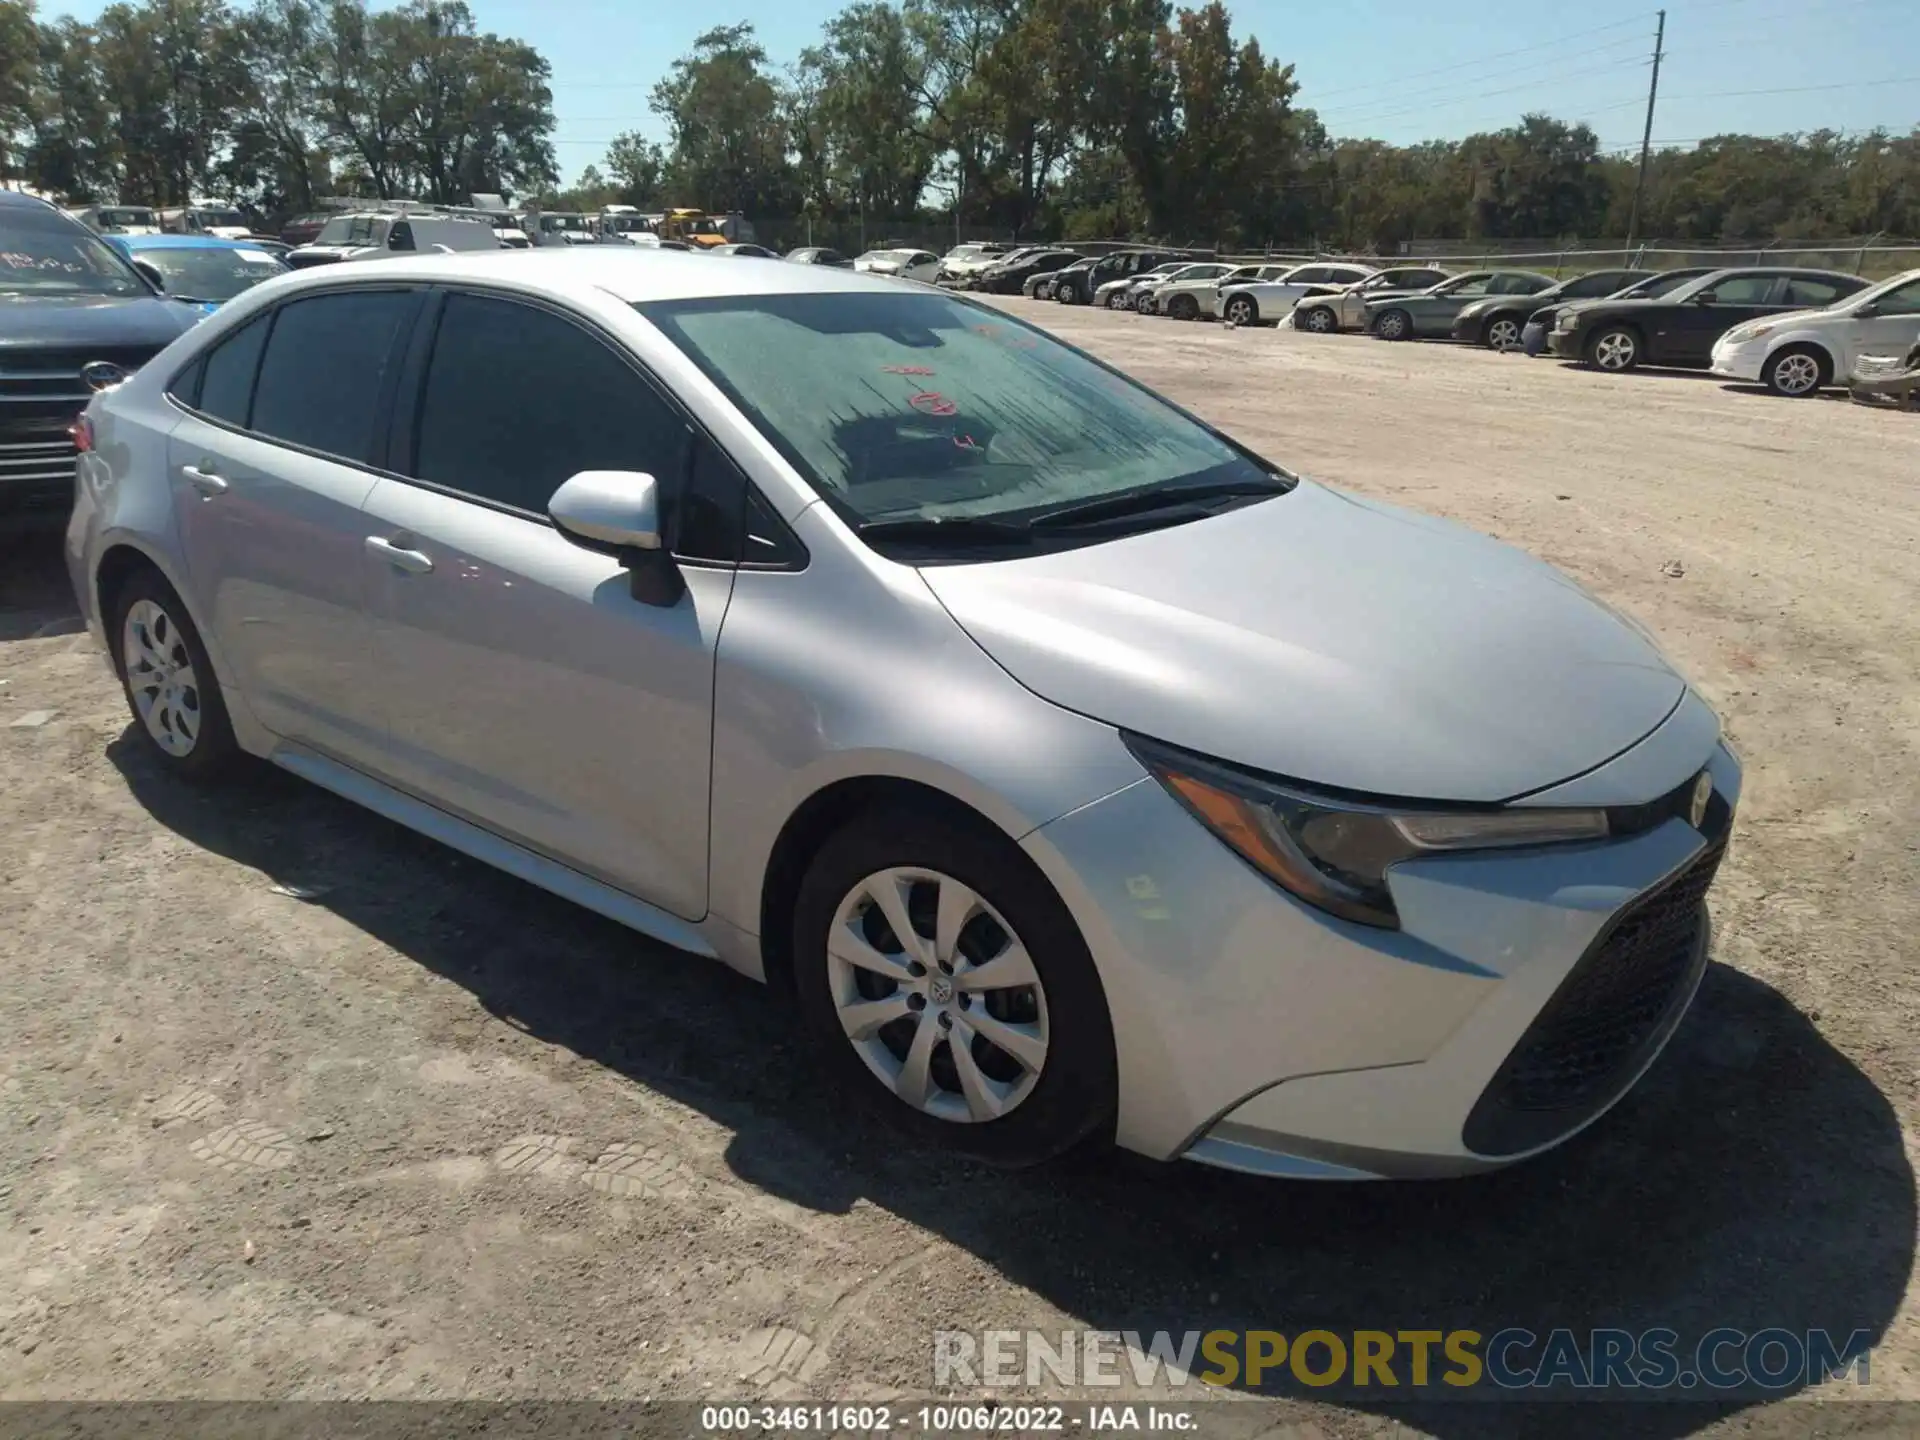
1183, 307
1394, 325
1799, 371
945, 983
1503, 333
1317, 319
1615, 349
1243, 310
168, 679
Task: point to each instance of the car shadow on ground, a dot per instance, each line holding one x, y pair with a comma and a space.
1755, 1179
35, 596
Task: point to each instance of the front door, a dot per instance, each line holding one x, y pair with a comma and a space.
526, 689
1688, 329
269, 469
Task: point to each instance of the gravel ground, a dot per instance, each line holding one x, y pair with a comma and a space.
296, 1105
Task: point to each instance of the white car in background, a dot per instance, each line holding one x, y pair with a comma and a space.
964, 262
1145, 294
921, 265
1268, 301
1802, 351
1188, 297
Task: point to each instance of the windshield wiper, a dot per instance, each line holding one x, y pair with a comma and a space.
1147, 502
940, 529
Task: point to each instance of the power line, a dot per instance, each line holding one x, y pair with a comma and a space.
1439, 93
1373, 118
1485, 59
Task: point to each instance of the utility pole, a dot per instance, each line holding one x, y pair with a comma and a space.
1646, 136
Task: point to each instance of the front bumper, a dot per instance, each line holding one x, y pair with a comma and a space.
1258, 1034
1469, 329
1740, 361
1567, 344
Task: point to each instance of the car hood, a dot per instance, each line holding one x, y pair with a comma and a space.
1329, 639
81, 320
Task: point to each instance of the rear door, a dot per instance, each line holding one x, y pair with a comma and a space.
269, 467
525, 688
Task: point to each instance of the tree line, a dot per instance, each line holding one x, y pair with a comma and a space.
1041, 118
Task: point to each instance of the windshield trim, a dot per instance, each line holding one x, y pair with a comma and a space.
654, 312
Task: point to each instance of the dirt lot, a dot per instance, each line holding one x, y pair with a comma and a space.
416, 1130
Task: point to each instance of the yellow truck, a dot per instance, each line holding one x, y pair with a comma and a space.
695, 227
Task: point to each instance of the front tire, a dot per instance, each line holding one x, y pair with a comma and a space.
1117, 300
982, 1029
1243, 310
1394, 325
1317, 320
1503, 333
1183, 307
1615, 349
168, 680
1799, 371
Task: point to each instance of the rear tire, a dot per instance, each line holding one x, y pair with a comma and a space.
172, 692
1243, 310
906, 1044
1393, 324
1799, 371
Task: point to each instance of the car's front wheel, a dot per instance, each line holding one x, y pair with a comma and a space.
945, 982
1317, 320
1394, 325
1241, 310
1798, 371
168, 679
1183, 307
1117, 300
1503, 333
1615, 349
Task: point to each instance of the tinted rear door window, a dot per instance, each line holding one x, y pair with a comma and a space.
519, 399
325, 369
226, 385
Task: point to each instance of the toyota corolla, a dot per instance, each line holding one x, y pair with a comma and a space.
1079, 773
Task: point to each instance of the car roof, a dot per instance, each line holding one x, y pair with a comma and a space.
181, 242
630, 273
20, 200
1807, 271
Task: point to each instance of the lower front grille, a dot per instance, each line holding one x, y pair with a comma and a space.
1592, 1038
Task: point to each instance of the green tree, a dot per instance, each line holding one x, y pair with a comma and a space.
728, 147
636, 168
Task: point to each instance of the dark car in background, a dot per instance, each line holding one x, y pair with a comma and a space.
1011, 276
75, 317
1680, 327
1076, 284
1499, 321
1533, 337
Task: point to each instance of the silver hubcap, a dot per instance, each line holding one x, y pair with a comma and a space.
937, 995
1796, 374
166, 692
1319, 321
1614, 351
1238, 312
1504, 335
1391, 325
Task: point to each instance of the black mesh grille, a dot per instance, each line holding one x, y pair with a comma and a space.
1592, 1036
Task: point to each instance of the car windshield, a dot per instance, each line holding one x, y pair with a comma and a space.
222, 218
922, 407
563, 222
125, 217
335, 231
210, 272
1885, 287
42, 252
1447, 287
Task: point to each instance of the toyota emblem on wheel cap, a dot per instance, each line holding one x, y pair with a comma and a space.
103, 374
1702, 792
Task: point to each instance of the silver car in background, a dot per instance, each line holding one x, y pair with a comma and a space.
1075, 771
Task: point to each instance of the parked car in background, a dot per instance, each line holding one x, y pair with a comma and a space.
1010, 276
819, 255
1499, 321
305, 229
902, 264
1047, 287
207, 217
1533, 337
1429, 314
363, 236
1117, 294
963, 262
276, 248
1802, 351
745, 251
1327, 311
74, 316
201, 270
118, 219
1188, 297
1081, 286
819, 679
1681, 327
1268, 299
1145, 295
561, 228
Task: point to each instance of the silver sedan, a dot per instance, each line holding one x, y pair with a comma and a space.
1075, 772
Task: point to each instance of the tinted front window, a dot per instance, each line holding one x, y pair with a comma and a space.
1742, 290
226, 382
1904, 300
325, 367
335, 231
44, 253
519, 399
916, 405
210, 272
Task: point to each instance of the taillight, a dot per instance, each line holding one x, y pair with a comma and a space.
82, 432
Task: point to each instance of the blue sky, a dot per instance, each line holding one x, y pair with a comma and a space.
1399, 70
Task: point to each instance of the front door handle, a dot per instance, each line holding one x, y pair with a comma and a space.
205, 481
411, 561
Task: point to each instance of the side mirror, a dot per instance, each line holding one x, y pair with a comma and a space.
617, 512
152, 273
1705, 297
1869, 311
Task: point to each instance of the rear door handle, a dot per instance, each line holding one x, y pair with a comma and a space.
205, 481
411, 561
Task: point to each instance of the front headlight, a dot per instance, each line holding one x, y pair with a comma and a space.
1745, 333
1334, 852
